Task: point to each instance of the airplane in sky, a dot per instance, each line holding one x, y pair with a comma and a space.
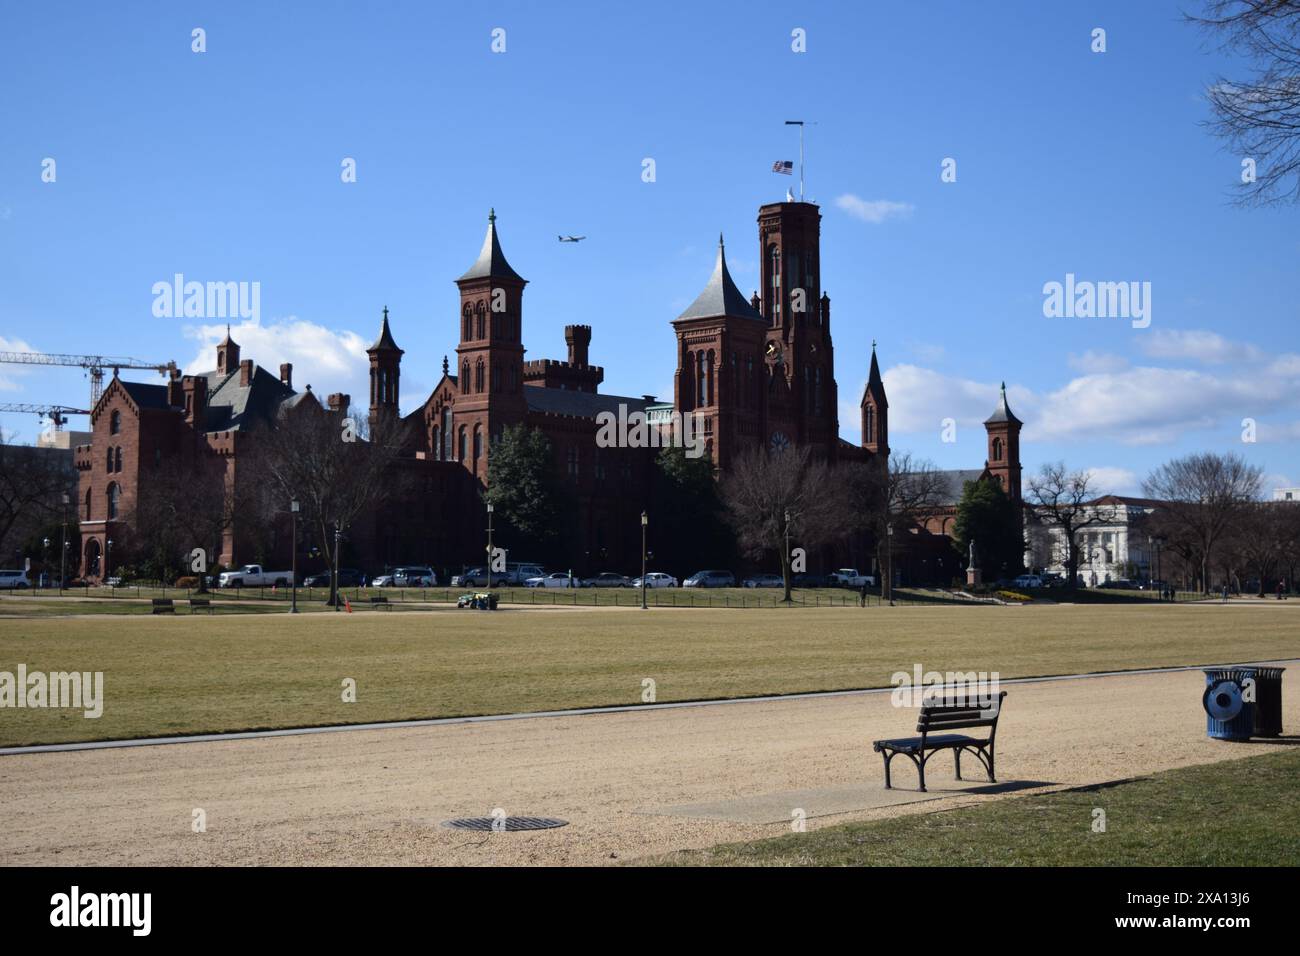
571, 238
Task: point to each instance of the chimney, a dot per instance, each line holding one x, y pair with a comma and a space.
339, 402
175, 394
578, 338
245, 373
195, 390
286, 373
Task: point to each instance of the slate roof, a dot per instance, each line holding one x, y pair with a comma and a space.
491, 262
232, 408
563, 401
720, 296
146, 396
1003, 412
954, 481
385, 341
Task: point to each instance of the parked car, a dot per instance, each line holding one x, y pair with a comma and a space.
382, 581
764, 581
710, 579
252, 576
348, 578
811, 581
415, 576
476, 577
656, 579
606, 579
1028, 581
14, 580
556, 579
517, 574
849, 578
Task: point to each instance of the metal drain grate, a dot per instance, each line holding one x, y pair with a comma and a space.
512, 824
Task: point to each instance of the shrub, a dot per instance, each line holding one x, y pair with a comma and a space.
1014, 596
188, 581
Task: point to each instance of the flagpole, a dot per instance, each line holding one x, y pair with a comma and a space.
799, 123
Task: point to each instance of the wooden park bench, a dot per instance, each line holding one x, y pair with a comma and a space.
939, 714
380, 600
163, 606
200, 604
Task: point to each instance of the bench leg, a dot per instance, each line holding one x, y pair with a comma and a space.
888, 757
956, 758
920, 770
992, 778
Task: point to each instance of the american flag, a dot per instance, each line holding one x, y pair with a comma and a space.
783, 166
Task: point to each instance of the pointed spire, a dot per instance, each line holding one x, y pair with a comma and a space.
1003, 412
875, 387
444, 365
385, 341
720, 296
491, 262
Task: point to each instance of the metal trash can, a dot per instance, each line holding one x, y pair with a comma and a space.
1229, 716
1268, 701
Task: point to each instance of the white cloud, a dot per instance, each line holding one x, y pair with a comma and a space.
9, 379
1106, 480
329, 361
1208, 348
873, 210
1091, 362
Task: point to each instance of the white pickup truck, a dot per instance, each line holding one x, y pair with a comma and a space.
251, 576
849, 578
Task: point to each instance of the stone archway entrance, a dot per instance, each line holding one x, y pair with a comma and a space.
92, 558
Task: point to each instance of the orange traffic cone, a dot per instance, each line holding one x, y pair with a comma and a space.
347, 604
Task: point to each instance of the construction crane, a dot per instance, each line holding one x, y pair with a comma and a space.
94, 363
57, 414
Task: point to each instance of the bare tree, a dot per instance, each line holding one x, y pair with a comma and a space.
779, 496
895, 493
1202, 495
337, 468
1260, 117
32, 484
1065, 499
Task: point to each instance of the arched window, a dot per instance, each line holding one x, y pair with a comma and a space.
478, 444
478, 374
446, 434
87, 504
997, 449
436, 441
469, 325
463, 444
710, 377
869, 425
117, 459
464, 377
114, 496
108, 462
480, 320
701, 375
115, 423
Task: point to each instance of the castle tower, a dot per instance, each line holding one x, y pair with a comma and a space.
490, 355
875, 411
1003, 461
385, 374
803, 400
720, 366
227, 354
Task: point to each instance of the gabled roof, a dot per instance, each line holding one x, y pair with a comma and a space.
564, 401
954, 483
1003, 412
721, 297
145, 396
232, 407
491, 262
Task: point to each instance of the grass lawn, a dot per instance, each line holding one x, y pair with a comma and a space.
1234, 813
190, 674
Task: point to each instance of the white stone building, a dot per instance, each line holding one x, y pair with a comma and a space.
1113, 549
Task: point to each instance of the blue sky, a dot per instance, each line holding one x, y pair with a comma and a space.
225, 166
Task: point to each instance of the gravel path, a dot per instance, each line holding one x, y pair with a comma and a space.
376, 797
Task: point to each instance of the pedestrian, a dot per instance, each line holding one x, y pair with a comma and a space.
862, 595
1280, 589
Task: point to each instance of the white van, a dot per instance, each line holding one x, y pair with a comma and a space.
13, 579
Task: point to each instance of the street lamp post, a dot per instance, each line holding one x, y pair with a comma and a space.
338, 537
108, 559
45, 558
63, 556
645, 521
889, 547
489, 546
293, 510
785, 560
